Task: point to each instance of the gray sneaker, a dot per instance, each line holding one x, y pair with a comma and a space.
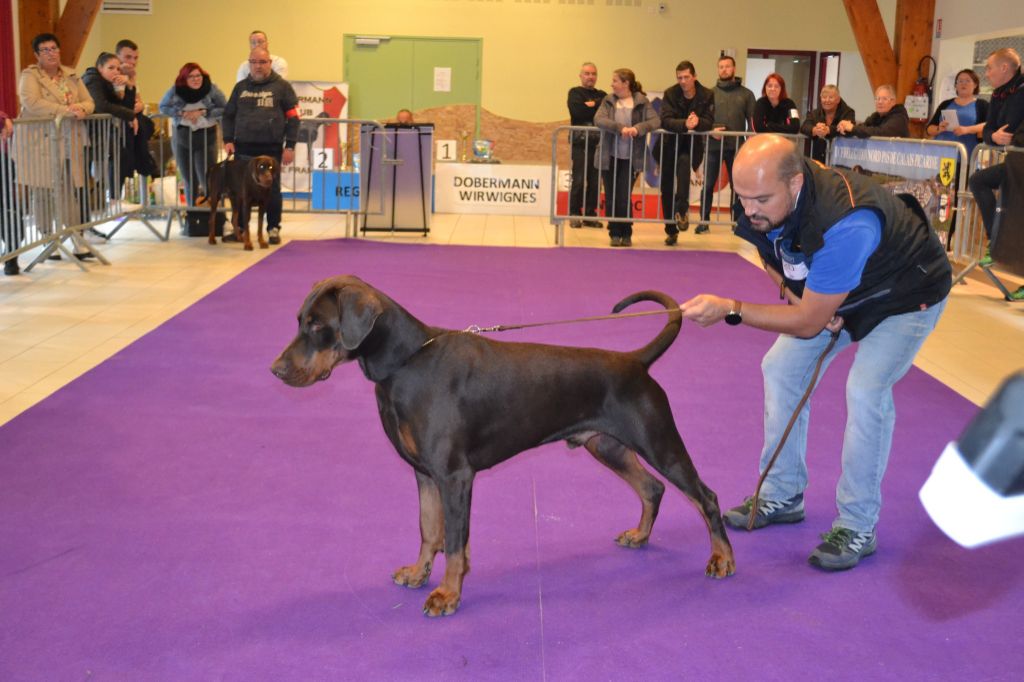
843, 548
768, 512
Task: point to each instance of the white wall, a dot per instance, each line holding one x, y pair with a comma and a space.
962, 19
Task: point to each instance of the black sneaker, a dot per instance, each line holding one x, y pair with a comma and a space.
616, 241
672, 239
11, 267
576, 224
229, 237
274, 235
626, 241
593, 223
701, 229
843, 548
768, 512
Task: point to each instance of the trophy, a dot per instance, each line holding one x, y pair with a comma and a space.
464, 146
343, 165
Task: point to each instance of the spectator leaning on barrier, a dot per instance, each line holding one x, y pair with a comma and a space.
820, 124
196, 106
686, 106
854, 260
971, 113
774, 111
107, 86
261, 116
11, 229
1004, 126
583, 101
624, 117
258, 39
49, 89
889, 120
135, 156
734, 110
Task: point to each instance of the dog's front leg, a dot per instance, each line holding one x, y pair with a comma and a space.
431, 534
246, 202
456, 495
259, 235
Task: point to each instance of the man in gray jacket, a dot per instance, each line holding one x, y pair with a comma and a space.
734, 110
261, 117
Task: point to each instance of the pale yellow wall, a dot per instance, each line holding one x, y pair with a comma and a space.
531, 50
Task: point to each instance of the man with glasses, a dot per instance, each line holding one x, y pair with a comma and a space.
889, 120
277, 64
262, 115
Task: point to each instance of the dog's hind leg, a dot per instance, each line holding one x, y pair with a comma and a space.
431, 534
456, 495
664, 450
625, 464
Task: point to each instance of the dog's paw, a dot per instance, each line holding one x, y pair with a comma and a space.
720, 566
264, 245
632, 538
411, 576
248, 246
212, 240
441, 602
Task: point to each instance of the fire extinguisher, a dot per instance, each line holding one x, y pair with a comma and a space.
919, 101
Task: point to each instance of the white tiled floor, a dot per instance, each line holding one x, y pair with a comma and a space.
57, 322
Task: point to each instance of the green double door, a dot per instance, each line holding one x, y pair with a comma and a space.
385, 74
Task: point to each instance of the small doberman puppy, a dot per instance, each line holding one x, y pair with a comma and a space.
247, 184
455, 403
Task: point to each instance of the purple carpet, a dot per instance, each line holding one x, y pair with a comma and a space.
179, 514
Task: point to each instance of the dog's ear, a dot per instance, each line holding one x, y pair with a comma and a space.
358, 308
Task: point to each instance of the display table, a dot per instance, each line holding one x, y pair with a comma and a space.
503, 189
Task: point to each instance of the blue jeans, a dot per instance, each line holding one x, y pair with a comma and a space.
883, 357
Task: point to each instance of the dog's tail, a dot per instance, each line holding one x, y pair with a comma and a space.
652, 351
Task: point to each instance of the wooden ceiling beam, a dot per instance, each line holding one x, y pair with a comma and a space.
74, 26
872, 41
914, 23
34, 17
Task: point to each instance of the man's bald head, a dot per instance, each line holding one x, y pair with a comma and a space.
768, 177
769, 154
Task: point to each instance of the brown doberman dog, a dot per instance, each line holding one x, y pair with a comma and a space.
247, 184
455, 403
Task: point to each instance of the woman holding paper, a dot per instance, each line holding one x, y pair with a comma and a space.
197, 105
961, 118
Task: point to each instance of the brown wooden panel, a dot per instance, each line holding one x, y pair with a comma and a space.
872, 41
34, 17
914, 22
73, 29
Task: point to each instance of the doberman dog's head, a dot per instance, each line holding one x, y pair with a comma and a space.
264, 169
334, 320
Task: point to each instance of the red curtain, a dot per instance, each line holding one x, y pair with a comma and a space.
8, 68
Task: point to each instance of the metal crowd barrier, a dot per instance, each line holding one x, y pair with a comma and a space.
324, 177
655, 201
969, 240
57, 180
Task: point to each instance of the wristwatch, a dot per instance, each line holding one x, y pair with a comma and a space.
735, 314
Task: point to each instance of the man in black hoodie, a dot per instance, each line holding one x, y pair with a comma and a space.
262, 115
583, 102
686, 106
1004, 126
